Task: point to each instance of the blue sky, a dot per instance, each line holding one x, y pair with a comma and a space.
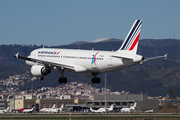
61, 22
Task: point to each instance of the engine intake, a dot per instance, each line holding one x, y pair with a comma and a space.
38, 70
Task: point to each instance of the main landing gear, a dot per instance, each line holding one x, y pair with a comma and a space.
62, 79
96, 80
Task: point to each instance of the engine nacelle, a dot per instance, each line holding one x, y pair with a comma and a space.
39, 71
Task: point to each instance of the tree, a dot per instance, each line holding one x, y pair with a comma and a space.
171, 92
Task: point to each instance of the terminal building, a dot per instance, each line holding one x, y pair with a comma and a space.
119, 101
43, 102
124, 101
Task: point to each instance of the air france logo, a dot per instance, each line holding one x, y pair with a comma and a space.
94, 59
49, 52
58, 53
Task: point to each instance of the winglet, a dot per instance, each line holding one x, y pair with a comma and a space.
16, 55
165, 56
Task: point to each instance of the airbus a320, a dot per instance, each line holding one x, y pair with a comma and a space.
89, 63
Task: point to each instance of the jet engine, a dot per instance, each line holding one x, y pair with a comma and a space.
38, 70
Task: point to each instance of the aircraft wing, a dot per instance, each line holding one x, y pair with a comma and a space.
57, 64
151, 58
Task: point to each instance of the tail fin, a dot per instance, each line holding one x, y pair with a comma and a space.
32, 109
133, 107
62, 106
112, 106
134, 104
132, 39
91, 109
53, 106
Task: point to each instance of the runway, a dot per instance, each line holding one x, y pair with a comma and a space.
89, 116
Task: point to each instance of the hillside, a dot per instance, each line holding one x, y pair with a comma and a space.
154, 77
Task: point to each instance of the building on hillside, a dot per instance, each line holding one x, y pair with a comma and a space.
3, 102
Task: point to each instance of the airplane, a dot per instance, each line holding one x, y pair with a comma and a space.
29, 110
61, 108
149, 111
5, 111
131, 109
103, 110
47, 109
89, 63
56, 110
53, 109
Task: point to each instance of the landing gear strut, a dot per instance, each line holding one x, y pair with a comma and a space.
62, 79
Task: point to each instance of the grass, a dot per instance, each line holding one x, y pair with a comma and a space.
90, 116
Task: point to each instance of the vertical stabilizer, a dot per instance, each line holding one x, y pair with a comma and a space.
62, 106
131, 41
53, 106
111, 107
133, 107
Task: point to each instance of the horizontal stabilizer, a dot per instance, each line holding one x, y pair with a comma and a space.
151, 58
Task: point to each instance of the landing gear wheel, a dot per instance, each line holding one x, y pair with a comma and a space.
95, 80
41, 78
98, 80
62, 80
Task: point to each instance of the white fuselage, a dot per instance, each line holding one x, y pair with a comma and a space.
2, 111
101, 110
85, 60
149, 111
126, 110
28, 110
53, 109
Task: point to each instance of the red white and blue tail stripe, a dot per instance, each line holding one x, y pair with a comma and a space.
132, 39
